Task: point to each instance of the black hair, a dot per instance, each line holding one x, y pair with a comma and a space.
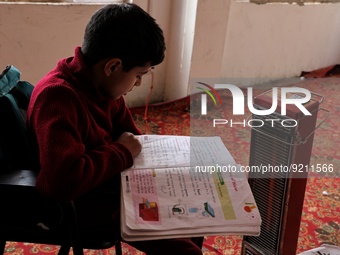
123, 31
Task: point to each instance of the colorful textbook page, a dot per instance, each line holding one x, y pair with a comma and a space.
174, 200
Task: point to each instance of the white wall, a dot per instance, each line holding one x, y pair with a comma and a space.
273, 41
209, 40
278, 41
229, 39
179, 53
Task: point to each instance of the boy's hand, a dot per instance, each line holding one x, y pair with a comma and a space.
131, 143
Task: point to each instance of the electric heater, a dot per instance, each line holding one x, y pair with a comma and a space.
282, 150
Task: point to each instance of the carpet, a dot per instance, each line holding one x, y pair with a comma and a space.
321, 212
320, 221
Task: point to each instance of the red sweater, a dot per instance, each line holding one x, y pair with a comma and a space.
75, 126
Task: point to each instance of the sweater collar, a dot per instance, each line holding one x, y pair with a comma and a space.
82, 73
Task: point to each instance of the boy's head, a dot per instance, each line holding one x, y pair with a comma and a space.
125, 32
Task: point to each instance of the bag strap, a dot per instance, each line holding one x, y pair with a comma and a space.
10, 84
8, 79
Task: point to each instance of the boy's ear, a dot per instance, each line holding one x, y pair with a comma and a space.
112, 65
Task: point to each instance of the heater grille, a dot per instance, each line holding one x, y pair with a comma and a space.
271, 144
276, 146
270, 147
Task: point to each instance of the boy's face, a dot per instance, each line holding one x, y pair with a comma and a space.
120, 82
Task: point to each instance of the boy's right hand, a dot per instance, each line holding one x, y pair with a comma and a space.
131, 143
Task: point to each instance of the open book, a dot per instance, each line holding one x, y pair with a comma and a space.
183, 186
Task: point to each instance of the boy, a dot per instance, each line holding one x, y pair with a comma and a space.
81, 127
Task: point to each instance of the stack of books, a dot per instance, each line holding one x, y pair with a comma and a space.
183, 186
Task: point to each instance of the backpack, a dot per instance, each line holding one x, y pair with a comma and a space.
15, 149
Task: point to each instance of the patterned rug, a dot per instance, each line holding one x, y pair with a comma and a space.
321, 212
320, 221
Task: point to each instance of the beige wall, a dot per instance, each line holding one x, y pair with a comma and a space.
226, 39
34, 37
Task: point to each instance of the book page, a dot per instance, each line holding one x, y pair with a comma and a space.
178, 151
182, 186
163, 151
183, 198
